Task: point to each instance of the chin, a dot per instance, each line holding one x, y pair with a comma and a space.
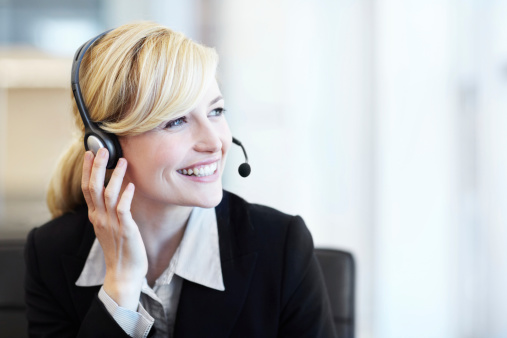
211, 200
208, 199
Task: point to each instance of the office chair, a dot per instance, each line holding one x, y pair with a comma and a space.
12, 297
339, 275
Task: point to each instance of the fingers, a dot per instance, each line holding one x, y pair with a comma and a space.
123, 209
85, 179
105, 203
114, 186
96, 184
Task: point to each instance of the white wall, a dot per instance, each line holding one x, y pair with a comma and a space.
296, 78
381, 122
416, 165
492, 166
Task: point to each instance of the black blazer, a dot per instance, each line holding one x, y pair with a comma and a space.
273, 283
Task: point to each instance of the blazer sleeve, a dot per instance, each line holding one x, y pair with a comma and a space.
305, 308
47, 317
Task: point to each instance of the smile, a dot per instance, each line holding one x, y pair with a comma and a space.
200, 171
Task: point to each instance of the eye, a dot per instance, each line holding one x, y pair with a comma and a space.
175, 123
217, 112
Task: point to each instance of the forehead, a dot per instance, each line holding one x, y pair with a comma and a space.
212, 94
210, 97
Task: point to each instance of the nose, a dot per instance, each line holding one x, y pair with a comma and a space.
208, 138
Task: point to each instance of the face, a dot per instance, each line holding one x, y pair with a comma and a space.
181, 161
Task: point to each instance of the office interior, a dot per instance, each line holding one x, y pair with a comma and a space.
382, 123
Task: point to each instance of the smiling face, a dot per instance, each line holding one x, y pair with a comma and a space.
181, 162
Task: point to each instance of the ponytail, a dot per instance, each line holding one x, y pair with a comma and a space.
64, 193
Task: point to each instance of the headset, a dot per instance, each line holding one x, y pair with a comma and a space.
96, 138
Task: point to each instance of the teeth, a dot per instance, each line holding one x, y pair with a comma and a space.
206, 170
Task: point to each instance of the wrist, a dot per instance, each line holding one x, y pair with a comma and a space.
125, 293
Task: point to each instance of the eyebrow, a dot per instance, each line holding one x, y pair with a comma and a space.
218, 98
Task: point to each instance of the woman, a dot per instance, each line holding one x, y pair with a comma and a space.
155, 247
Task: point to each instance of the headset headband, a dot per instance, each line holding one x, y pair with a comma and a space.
74, 79
94, 138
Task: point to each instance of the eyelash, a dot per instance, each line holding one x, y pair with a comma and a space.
219, 111
172, 123
179, 121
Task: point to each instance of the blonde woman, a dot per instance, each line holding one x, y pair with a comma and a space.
155, 247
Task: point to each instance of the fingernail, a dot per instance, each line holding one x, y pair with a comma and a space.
121, 163
103, 152
88, 155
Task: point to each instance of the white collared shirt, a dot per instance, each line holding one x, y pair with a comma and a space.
196, 259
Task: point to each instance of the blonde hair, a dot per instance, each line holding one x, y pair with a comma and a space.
133, 79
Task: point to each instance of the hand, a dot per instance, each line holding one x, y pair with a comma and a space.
116, 230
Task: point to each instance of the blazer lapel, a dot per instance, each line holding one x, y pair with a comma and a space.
205, 312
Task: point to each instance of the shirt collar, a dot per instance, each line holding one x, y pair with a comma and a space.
197, 259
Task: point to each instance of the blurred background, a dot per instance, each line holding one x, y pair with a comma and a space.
381, 122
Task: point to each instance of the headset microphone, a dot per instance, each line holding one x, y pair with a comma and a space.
244, 169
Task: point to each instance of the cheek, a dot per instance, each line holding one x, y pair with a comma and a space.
149, 158
165, 156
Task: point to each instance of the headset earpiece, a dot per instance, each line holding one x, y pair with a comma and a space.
97, 138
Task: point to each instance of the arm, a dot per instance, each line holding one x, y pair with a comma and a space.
126, 262
305, 305
48, 318
121, 242
116, 230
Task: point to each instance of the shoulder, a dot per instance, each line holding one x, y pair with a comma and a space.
282, 243
265, 226
62, 235
238, 205
258, 215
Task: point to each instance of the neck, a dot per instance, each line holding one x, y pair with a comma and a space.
162, 228
159, 222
